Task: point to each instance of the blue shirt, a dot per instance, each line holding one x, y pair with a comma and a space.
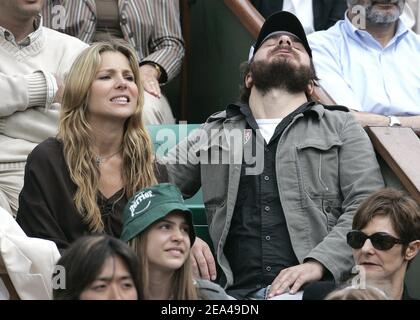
359, 73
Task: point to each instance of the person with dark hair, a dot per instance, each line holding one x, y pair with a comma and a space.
158, 226
385, 239
390, 220
281, 175
98, 267
79, 182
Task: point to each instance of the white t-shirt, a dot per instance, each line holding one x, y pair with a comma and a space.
302, 9
267, 127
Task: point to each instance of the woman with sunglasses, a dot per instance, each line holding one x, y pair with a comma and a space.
385, 239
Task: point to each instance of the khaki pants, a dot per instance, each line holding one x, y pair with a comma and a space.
157, 110
11, 183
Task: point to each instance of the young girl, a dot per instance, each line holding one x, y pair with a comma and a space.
158, 226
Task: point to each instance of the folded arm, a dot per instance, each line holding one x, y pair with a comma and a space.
20, 92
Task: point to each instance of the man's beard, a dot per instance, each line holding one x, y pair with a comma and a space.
377, 16
280, 74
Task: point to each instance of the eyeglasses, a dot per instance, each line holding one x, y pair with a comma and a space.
380, 240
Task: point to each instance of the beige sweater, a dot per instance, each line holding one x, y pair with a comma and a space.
28, 87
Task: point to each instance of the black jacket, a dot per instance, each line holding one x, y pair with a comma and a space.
326, 12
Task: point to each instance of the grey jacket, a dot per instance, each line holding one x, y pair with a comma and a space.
325, 167
208, 290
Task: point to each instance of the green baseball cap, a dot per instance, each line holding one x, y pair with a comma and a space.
151, 204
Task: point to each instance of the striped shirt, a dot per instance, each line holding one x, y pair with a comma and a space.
151, 27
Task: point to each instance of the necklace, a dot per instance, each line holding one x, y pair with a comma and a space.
99, 160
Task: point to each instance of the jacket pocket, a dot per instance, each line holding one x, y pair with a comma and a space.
318, 166
214, 166
332, 210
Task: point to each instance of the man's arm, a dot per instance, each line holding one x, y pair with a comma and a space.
183, 166
359, 176
20, 92
166, 45
374, 119
34, 124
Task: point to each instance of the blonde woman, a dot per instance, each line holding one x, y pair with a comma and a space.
79, 182
158, 226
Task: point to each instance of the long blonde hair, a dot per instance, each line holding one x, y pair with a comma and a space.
182, 286
76, 135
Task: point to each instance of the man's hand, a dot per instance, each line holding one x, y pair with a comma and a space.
202, 260
149, 79
295, 277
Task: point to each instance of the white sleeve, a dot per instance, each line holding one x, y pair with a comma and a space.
20, 92
34, 124
329, 71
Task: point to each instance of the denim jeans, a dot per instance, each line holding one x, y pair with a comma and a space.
260, 294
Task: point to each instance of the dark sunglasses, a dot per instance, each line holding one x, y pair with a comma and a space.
380, 240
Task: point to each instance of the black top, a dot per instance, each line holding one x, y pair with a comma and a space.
259, 227
46, 205
326, 12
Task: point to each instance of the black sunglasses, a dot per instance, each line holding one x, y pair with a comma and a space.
380, 240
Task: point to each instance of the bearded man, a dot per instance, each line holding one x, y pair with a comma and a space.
370, 62
279, 209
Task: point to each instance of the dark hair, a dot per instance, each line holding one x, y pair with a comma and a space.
402, 210
245, 68
84, 259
